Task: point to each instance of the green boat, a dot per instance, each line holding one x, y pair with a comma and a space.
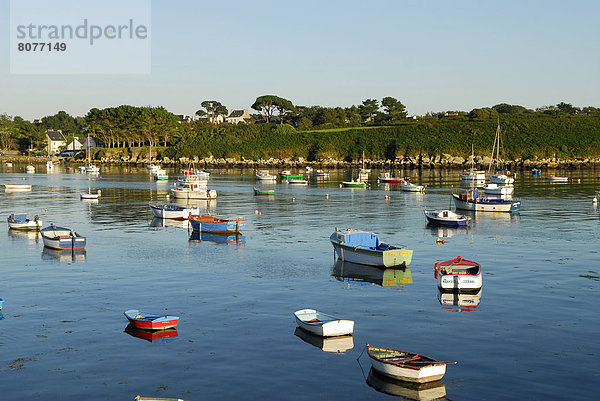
354, 184
287, 175
258, 191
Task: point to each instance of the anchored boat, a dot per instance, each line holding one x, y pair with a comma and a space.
323, 325
21, 222
458, 275
406, 366
210, 224
150, 321
471, 201
62, 238
364, 247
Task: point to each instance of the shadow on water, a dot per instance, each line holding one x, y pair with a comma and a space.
65, 256
221, 239
327, 344
409, 391
459, 301
156, 336
357, 274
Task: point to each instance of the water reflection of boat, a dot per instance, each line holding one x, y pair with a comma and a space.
358, 274
157, 336
225, 239
327, 344
20, 234
459, 302
412, 391
195, 203
64, 256
157, 222
447, 232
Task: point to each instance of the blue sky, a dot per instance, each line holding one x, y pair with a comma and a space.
431, 55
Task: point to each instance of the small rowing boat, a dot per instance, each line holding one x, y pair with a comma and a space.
407, 366
323, 325
364, 247
446, 218
150, 321
21, 222
210, 224
556, 178
62, 238
259, 191
170, 211
458, 275
17, 187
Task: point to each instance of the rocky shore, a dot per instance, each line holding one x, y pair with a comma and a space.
445, 161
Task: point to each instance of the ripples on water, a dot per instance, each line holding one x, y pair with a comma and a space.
530, 333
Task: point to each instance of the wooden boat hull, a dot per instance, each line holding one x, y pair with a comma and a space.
412, 188
62, 238
502, 179
458, 275
323, 325
202, 193
354, 184
161, 336
451, 219
487, 205
399, 257
297, 182
394, 181
264, 191
172, 212
21, 222
291, 176
150, 321
210, 224
89, 196
494, 189
473, 176
429, 372
554, 178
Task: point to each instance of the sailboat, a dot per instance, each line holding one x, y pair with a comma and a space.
152, 168
91, 168
29, 169
363, 174
496, 162
472, 175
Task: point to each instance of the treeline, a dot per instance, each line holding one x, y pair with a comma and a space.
283, 130
537, 135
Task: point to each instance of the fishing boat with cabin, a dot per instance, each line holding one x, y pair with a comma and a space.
470, 200
458, 274
364, 247
405, 365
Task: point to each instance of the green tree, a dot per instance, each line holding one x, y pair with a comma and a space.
212, 110
283, 107
566, 108
368, 108
395, 110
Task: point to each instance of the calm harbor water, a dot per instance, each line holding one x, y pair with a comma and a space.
530, 334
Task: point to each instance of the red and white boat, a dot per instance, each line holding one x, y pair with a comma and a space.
458, 275
150, 321
557, 178
388, 178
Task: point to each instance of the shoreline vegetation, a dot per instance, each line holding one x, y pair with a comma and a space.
284, 135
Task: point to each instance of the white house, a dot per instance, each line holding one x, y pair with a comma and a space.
81, 143
56, 140
238, 116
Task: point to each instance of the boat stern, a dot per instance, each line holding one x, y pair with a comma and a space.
397, 257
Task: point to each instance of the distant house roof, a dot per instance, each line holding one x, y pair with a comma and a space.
236, 113
55, 135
